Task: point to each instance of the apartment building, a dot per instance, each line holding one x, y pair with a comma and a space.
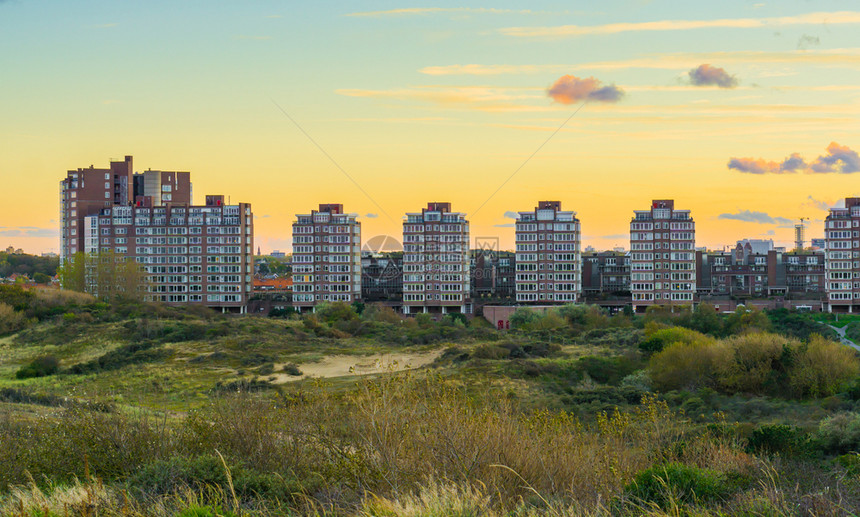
605, 274
382, 276
842, 257
662, 256
326, 264
493, 274
86, 191
436, 261
186, 253
548, 260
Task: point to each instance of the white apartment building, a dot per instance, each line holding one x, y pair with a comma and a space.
436, 265
326, 257
662, 256
548, 255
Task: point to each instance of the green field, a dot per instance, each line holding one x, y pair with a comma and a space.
137, 409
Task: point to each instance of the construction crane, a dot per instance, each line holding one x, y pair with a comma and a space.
800, 234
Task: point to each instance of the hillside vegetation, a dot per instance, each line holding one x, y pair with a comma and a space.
138, 409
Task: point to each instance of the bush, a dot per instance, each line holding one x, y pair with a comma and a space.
607, 370
135, 353
491, 352
10, 319
678, 482
780, 439
840, 433
208, 471
292, 369
39, 367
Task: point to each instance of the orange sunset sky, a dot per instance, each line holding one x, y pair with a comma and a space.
744, 112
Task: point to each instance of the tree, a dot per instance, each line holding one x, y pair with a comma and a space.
105, 275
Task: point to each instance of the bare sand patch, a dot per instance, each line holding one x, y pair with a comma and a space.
343, 365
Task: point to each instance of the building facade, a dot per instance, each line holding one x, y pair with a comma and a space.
842, 257
605, 274
382, 277
436, 261
326, 263
493, 274
549, 265
662, 256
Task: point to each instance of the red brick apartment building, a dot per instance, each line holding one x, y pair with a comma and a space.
842, 257
326, 257
436, 265
190, 253
548, 261
662, 256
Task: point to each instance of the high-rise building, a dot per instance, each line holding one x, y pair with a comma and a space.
326, 264
548, 262
436, 261
186, 253
662, 256
842, 249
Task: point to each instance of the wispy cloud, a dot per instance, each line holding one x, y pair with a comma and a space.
667, 61
511, 215
838, 159
840, 17
28, 231
707, 75
817, 203
506, 225
371, 215
807, 41
750, 216
569, 89
422, 11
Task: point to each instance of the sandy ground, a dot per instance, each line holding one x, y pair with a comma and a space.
343, 365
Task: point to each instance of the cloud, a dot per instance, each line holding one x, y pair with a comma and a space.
843, 17
261, 216
839, 159
569, 89
666, 61
29, 231
817, 203
707, 75
807, 41
754, 217
371, 215
421, 11
506, 225
511, 215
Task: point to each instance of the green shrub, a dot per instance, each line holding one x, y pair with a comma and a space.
607, 370
678, 482
200, 472
840, 433
134, 353
780, 439
491, 352
10, 319
39, 367
292, 369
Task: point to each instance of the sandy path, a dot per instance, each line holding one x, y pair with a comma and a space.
343, 365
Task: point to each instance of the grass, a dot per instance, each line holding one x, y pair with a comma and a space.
521, 423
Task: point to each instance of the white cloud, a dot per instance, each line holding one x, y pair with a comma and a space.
841, 17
